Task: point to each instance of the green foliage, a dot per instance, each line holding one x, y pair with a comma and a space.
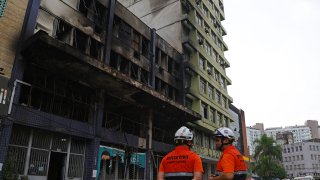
10, 172
268, 157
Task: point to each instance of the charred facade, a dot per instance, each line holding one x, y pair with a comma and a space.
95, 78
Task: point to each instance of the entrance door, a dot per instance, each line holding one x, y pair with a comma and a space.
56, 166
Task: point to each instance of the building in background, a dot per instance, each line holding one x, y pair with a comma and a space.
313, 125
88, 76
302, 158
300, 133
285, 137
194, 28
259, 126
253, 134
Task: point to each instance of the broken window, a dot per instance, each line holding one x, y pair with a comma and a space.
113, 59
84, 6
55, 95
134, 73
144, 76
145, 47
100, 17
125, 33
170, 65
64, 32
135, 44
96, 49
157, 56
158, 84
80, 41
124, 66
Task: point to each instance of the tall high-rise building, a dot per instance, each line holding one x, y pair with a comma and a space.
253, 134
194, 28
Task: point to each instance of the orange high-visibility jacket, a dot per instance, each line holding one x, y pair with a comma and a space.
231, 161
181, 162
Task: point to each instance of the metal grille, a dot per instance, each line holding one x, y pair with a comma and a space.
41, 140
77, 146
75, 165
20, 137
19, 156
38, 162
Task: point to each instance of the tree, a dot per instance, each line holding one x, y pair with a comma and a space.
10, 171
268, 157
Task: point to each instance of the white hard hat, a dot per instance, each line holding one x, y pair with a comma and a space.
224, 132
183, 133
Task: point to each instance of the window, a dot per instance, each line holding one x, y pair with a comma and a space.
218, 96
201, 63
212, 115
285, 150
205, 11
209, 69
210, 92
202, 86
289, 158
211, 3
207, 48
200, 40
300, 148
292, 149
286, 159
288, 150
224, 102
293, 158
219, 119
298, 157
216, 75
301, 157
310, 147
198, 19
204, 111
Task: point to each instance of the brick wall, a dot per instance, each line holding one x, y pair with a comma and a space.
10, 29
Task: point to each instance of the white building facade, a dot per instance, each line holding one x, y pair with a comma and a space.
302, 158
300, 133
252, 135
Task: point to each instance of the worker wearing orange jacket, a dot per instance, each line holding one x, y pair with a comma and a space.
231, 164
181, 163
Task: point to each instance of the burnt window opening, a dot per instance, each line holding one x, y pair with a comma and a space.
113, 59
80, 41
56, 95
134, 73
84, 6
157, 56
170, 65
144, 76
116, 26
135, 44
124, 66
145, 47
125, 33
164, 88
164, 60
64, 32
96, 49
171, 92
117, 122
157, 84
100, 17
176, 69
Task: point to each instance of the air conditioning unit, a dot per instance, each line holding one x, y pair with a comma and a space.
4, 96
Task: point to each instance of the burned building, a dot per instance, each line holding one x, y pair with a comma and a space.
91, 77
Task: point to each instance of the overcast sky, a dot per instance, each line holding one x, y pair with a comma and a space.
274, 53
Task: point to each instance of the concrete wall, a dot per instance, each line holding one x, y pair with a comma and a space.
10, 29
164, 16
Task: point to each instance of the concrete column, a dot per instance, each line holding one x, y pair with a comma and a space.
149, 167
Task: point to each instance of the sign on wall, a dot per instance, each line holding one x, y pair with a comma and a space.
3, 4
4, 96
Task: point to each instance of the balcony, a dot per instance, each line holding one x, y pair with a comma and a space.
57, 57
